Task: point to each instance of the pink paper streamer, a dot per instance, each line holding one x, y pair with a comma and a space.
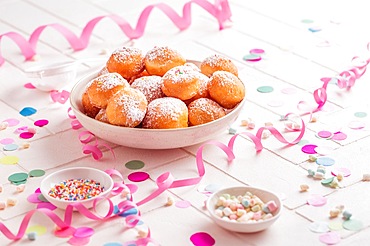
220, 10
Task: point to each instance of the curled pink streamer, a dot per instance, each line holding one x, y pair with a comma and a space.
220, 10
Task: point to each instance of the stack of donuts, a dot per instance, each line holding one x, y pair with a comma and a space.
161, 90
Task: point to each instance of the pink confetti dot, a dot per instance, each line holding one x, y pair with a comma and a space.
344, 171
12, 122
257, 51
356, 125
138, 176
83, 232
41, 123
6, 141
79, 241
317, 200
29, 86
183, 204
339, 136
289, 91
202, 239
309, 149
330, 238
324, 134
26, 135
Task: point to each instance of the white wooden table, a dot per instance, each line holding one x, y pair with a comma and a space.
295, 60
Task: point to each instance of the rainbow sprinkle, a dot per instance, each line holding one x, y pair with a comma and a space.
76, 189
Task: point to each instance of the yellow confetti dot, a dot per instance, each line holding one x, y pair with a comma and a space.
9, 160
38, 229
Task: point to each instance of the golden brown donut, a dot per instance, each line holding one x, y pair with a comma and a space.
181, 82
204, 110
226, 89
203, 89
150, 86
161, 59
103, 87
165, 113
89, 109
127, 61
217, 62
126, 108
102, 116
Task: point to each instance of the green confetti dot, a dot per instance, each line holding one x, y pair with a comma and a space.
307, 21
37, 173
134, 164
265, 89
42, 198
353, 225
360, 114
327, 181
18, 177
252, 57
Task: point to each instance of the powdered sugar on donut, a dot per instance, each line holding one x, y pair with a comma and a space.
180, 75
150, 86
127, 54
108, 81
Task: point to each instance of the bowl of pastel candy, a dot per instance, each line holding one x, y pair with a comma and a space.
82, 185
244, 209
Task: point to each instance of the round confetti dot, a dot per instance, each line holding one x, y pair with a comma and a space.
339, 136
202, 239
9, 160
360, 114
6, 141
134, 164
327, 181
26, 135
252, 57
29, 86
37, 173
307, 21
314, 29
138, 176
79, 241
10, 147
12, 122
330, 238
275, 103
344, 171
324, 134
265, 89
18, 177
289, 90
353, 225
335, 226
183, 204
41, 123
309, 149
317, 200
257, 51
27, 111
38, 229
82, 232
319, 227
34, 198
42, 198
325, 161
356, 125
113, 244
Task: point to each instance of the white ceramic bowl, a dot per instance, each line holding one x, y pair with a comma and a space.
74, 173
148, 138
244, 227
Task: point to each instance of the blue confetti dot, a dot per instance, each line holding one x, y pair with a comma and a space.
112, 244
27, 111
10, 147
325, 161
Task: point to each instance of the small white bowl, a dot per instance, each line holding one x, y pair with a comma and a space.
148, 138
244, 227
76, 173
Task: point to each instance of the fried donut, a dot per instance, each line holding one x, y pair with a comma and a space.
127, 61
226, 89
203, 89
161, 59
103, 87
204, 110
217, 63
126, 108
181, 82
150, 86
102, 116
89, 109
165, 113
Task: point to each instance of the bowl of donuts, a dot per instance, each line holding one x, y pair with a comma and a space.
158, 99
